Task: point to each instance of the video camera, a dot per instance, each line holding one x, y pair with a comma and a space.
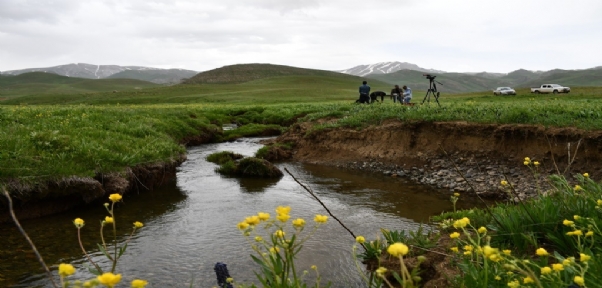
429, 76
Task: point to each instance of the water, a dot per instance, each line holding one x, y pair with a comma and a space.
191, 224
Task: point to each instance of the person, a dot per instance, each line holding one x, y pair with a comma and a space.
407, 94
364, 93
395, 93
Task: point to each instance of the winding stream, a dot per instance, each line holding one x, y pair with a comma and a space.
191, 224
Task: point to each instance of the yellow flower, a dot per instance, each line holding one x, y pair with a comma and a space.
263, 216
589, 233
576, 217
139, 283
504, 183
398, 249
482, 230
579, 280
298, 222
454, 235
109, 220
279, 233
514, 284
467, 253
258, 238
557, 267
242, 225
599, 202
498, 278
586, 175
229, 280
78, 222
321, 218
360, 239
541, 252
138, 224
584, 257
66, 269
461, 223
546, 270
457, 194
274, 250
577, 233
495, 257
252, 220
468, 248
283, 210
567, 222
577, 188
488, 251
528, 159
536, 163
381, 271
109, 279
89, 284
454, 249
115, 197
568, 261
283, 217
528, 280
526, 164
314, 267
507, 252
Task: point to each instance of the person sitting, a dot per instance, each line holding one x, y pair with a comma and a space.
407, 95
396, 93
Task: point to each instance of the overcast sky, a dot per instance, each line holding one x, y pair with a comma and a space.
455, 36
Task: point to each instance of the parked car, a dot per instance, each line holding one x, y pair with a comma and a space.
551, 88
504, 91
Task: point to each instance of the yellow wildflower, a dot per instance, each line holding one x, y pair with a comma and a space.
66, 269
454, 235
514, 284
457, 194
488, 251
579, 280
468, 248
546, 270
242, 225
274, 250
541, 252
568, 261
381, 271
360, 239
454, 249
577, 188
258, 239
115, 197
283, 217
507, 252
109, 279
467, 253
109, 220
528, 280
138, 224
599, 202
589, 233
139, 283
78, 222
577, 233
526, 164
229, 280
495, 257
567, 222
584, 257
536, 163
586, 175
321, 218
504, 183
461, 223
557, 267
314, 267
263, 216
252, 220
298, 222
498, 278
398, 249
576, 217
279, 233
482, 230
528, 159
283, 210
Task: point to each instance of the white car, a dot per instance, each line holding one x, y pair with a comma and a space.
504, 91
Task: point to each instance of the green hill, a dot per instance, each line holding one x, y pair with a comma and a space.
159, 76
41, 83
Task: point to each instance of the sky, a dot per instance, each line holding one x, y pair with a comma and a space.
453, 36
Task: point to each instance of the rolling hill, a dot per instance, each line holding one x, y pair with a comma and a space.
167, 76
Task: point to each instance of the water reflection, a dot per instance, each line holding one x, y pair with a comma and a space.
256, 184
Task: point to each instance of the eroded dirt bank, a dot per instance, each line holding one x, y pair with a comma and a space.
46, 198
459, 156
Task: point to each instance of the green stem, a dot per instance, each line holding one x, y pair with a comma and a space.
114, 239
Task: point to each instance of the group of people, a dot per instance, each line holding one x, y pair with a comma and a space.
402, 95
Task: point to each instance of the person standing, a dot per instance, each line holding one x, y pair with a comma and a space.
364, 93
396, 93
407, 94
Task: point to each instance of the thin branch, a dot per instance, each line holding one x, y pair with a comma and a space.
552, 154
33, 247
323, 205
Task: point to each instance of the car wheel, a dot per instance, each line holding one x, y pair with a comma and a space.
537, 92
555, 92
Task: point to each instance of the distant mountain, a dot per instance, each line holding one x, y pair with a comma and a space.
385, 67
89, 71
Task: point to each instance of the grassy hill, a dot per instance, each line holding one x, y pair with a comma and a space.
260, 84
464, 82
169, 76
44, 84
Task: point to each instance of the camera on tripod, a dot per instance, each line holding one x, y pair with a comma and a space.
429, 76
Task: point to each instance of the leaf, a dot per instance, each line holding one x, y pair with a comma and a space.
122, 250
102, 249
93, 270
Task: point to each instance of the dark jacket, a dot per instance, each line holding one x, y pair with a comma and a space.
365, 89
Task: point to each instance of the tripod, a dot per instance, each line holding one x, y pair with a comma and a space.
432, 90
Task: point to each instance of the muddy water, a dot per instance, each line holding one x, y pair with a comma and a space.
191, 224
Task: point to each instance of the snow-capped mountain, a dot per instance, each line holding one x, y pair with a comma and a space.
90, 71
385, 67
